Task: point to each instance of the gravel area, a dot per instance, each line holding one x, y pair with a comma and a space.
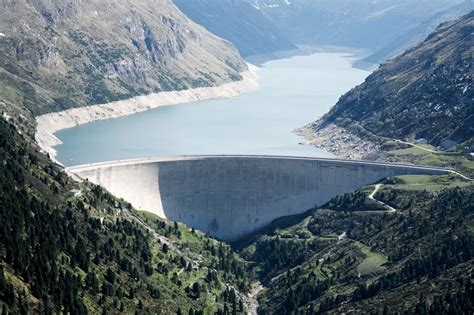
340, 142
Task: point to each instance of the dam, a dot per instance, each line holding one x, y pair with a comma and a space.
230, 197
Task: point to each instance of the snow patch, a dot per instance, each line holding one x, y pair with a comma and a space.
270, 4
383, 12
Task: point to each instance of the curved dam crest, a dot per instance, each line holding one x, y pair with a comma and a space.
230, 197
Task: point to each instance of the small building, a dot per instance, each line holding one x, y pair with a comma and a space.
421, 141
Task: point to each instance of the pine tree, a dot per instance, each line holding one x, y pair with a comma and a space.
4, 309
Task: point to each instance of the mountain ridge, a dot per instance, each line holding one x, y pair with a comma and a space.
428, 85
364, 24
418, 33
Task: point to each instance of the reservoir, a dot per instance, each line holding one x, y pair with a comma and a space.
292, 92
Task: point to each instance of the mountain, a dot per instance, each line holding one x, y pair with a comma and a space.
72, 248
417, 34
239, 22
426, 92
61, 54
363, 23
67, 247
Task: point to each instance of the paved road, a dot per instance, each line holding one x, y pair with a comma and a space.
463, 176
371, 196
197, 157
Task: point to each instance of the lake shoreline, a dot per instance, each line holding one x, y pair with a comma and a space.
49, 124
357, 54
220, 130
340, 142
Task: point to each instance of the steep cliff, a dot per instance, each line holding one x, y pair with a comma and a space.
61, 54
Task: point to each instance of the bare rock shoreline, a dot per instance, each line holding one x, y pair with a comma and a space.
339, 142
49, 124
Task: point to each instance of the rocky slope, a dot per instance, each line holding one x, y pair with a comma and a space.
425, 93
239, 22
56, 55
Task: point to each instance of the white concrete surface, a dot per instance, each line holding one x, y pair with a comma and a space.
232, 196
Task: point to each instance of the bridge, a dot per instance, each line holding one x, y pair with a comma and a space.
232, 196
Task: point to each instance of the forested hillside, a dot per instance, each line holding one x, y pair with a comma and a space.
83, 251
350, 256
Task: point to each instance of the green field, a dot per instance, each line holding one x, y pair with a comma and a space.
427, 182
373, 263
460, 162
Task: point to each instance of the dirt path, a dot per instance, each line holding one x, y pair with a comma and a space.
417, 146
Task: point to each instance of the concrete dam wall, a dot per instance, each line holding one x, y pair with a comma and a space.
232, 196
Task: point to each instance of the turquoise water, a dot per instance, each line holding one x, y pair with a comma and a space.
292, 93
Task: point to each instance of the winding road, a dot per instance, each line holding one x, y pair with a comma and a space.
371, 196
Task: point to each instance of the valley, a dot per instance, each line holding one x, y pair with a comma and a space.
147, 167
392, 114
289, 91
